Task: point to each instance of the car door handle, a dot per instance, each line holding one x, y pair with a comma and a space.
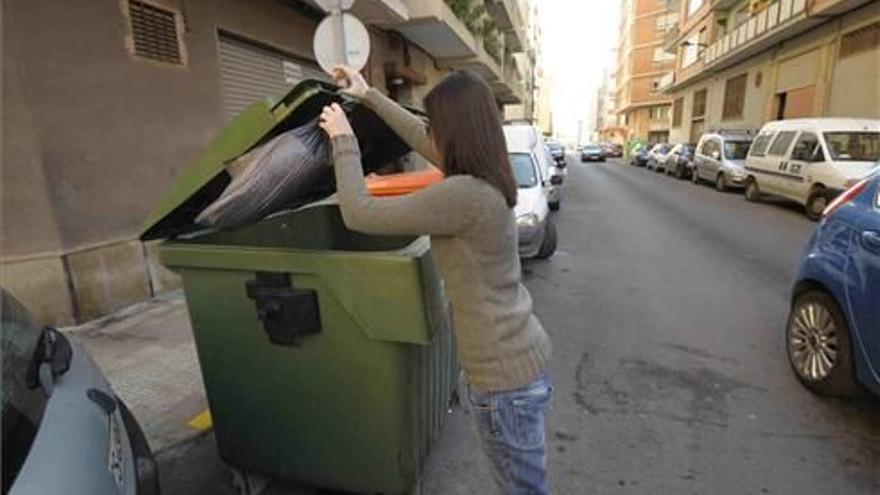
871, 241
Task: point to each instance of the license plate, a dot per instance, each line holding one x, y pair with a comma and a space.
115, 461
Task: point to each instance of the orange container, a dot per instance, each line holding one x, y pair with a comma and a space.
404, 183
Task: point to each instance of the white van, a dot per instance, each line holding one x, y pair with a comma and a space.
811, 160
532, 171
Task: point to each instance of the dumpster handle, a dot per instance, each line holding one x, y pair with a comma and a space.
286, 313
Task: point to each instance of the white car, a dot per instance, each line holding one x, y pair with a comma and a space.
537, 233
811, 161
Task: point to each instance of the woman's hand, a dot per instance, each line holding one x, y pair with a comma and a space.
334, 122
351, 82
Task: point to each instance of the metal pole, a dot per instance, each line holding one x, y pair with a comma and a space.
340, 31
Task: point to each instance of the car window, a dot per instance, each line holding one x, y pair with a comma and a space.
736, 150
853, 146
524, 170
759, 147
23, 404
807, 148
781, 143
709, 147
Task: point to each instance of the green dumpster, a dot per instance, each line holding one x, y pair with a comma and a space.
327, 355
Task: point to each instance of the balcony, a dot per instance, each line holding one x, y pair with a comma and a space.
779, 20
509, 18
378, 12
510, 89
672, 39
435, 28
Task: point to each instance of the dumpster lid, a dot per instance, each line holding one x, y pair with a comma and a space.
205, 179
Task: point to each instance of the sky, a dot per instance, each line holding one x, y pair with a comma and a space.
579, 36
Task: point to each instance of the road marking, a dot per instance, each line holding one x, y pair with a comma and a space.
202, 421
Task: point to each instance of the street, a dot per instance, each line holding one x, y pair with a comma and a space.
666, 303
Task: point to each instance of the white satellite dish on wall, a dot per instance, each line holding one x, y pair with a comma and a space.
341, 38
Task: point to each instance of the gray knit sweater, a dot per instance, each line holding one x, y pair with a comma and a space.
501, 344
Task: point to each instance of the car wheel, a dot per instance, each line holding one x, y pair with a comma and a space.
695, 176
679, 172
548, 247
554, 206
753, 192
818, 345
816, 204
721, 183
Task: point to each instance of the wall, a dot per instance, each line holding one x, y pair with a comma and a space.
96, 136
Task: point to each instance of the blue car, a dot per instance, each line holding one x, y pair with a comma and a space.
833, 331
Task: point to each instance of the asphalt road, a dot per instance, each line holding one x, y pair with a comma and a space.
665, 303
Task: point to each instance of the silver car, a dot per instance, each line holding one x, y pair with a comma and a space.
720, 160
64, 430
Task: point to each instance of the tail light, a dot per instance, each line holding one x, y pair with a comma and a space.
845, 197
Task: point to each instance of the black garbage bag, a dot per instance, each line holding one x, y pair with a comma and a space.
287, 171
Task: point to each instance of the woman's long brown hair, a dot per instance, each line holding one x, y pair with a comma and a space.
466, 130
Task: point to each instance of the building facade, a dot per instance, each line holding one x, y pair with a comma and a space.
106, 102
742, 63
608, 128
642, 63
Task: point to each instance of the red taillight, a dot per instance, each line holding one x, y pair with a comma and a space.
845, 197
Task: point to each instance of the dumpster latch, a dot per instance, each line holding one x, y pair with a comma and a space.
287, 313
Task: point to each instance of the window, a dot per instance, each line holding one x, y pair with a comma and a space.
734, 97
666, 22
699, 104
807, 148
736, 150
677, 111
860, 40
854, 146
710, 146
781, 143
759, 148
524, 170
154, 32
659, 113
655, 85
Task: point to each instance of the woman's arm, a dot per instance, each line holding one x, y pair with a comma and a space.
406, 125
447, 208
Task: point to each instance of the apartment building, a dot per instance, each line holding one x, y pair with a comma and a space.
608, 128
741, 63
641, 65
106, 102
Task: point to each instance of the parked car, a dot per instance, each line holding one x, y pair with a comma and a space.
64, 429
720, 159
614, 150
526, 138
833, 331
811, 161
592, 152
557, 150
679, 161
639, 155
657, 156
536, 231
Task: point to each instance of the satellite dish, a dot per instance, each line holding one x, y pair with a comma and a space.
341, 39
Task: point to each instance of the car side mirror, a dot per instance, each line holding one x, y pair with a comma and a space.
716, 155
556, 180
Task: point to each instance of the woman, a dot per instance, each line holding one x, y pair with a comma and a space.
469, 215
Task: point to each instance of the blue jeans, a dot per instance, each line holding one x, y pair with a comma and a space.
511, 427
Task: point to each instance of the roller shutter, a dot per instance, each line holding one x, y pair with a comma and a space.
250, 71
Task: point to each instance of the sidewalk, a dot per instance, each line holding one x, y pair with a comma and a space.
148, 354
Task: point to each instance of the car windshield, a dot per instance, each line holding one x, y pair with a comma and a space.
23, 405
591, 147
524, 170
688, 149
853, 146
736, 150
